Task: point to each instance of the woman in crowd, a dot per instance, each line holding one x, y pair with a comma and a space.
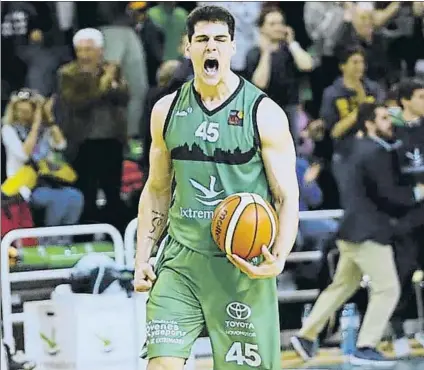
34, 166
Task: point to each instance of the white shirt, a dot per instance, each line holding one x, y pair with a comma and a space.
15, 154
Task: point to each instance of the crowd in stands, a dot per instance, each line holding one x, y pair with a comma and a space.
79, 81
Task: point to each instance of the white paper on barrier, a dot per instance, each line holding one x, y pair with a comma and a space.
85, 332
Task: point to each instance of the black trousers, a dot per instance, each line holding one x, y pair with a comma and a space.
99, 166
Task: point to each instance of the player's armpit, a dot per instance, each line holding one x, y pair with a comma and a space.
279, 157
156, 196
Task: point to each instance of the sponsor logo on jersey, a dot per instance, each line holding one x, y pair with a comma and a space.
164, 331
184, 113
208, 196
238, 311
416, 158
238, 324
196, 214
235, 118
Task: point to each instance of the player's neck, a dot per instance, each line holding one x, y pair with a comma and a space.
221, 91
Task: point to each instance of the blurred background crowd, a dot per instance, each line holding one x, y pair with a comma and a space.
79, 81
86, 106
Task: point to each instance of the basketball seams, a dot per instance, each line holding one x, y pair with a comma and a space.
231, 199
237, 205
232, 224
256, 226
271, 216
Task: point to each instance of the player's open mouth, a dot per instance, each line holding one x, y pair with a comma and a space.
211, 66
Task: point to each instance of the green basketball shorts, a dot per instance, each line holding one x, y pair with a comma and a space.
194, 291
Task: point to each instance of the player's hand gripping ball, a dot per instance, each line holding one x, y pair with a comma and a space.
243, 223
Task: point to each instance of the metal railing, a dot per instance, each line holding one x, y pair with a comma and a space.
8, 277
294, 257
124, 254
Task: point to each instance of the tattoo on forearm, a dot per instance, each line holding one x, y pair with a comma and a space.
157, 221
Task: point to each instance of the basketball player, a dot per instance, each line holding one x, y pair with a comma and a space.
216, 136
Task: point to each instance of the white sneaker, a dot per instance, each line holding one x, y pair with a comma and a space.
419, 337
401, 347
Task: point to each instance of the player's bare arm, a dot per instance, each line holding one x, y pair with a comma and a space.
279, 159
155, 199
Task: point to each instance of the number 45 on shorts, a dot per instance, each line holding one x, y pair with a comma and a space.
248, 355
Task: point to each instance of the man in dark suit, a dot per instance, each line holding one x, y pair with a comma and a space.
408, 121
372, 198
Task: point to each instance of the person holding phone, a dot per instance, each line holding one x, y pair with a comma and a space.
33, 142
274, 64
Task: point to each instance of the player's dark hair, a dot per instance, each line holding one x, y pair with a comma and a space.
367, 112
267, 9
345, 53
210, 13
407, 87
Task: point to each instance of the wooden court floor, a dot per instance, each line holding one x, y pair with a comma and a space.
330, 358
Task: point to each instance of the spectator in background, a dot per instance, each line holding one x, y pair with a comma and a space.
310, 196
340, 107
306, 144
318, 139
323, 22
246, 14
403, 31
184, 72
274, 64
31, 136
172, 21
122, 47
150, 35
409, 126
19, 19
326, 23
63, 22
164, 78
408, 119
42, 61
364, 239
362, 31
93, 104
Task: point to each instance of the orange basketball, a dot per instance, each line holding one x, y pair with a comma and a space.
242, 223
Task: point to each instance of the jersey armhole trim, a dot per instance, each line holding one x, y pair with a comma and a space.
169, 114
257, 138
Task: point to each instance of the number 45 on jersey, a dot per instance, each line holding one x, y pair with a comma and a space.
208, 131
248, 355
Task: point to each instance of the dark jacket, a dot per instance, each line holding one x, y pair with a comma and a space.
411, 154
87, 112
374, 196
338, 102
153, 40
283, 86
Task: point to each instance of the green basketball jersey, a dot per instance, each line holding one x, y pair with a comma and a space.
214, 154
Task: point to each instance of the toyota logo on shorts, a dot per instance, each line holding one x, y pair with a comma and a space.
238, 311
